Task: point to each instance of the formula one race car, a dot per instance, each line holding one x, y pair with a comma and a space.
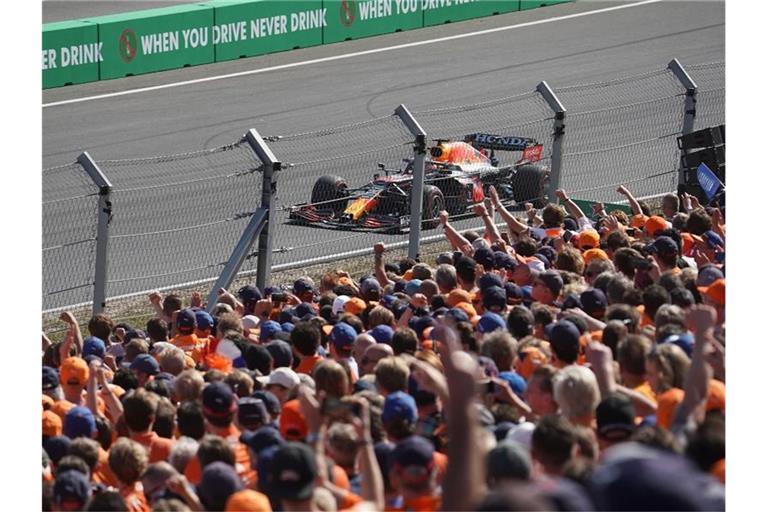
457, 175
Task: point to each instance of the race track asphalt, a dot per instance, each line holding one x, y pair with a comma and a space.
209, 114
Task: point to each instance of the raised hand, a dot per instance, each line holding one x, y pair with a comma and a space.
378, 248
701, 318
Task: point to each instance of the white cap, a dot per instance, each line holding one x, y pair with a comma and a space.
536, 264
250, 322
228, 349
338, 304
282, 377
522, 434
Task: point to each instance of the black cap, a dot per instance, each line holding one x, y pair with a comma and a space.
615, 413
50, 378
251, 410
262, 438
293, 472
249, 294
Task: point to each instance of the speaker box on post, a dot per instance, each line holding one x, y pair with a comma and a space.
708, 137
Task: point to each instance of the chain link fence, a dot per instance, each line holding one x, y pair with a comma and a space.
70, 208
178, 217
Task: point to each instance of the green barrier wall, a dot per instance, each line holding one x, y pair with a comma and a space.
586, 207
533, 4
437, 12
140, 42
71, 53
353, 19
256, 27
155, 40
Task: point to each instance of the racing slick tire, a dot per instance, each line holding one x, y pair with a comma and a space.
330, 188
529, 185
433, 203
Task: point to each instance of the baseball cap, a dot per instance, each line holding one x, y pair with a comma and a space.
293, 473
282, 376
145, 363
535, 264
382, 334
458, 296
487, 280
632, 476
342, 335
708, 274
218, 399
589, 239
287, 327
528, 359
563, 334
502, 260
458, 315
50, 378
494, 297
415, 455
56, 447
74, 370
399, 405
270, 401
369, 285
52, 425
715, 292
570, 224
354, 306
71, 487
515, 381
553, 280
713, 239
508, 459
591, 255
262, 438
684, 341
484, 256
490, 322
249, 322
251, 410
304, 311
218, 482
302, 285
247, 499
514, 293
541, 257
249, 294
185, 319
293, 426
281, 353
662, 245
549, 252
93, 346
203, 319
638, 221
412, 288
338, 304
79, 421
615, 414
654, 224
268, 329
593, 301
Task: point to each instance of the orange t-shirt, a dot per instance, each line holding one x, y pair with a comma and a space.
158, 448
340, 478
134, 498
62, 407
102, 472
307, 364
645, 390
247, 474
667, 404
195, 347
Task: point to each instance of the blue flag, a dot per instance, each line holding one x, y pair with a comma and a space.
708, 181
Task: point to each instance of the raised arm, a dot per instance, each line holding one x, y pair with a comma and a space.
456, 239
491, 231
572, 207
77, 338
636, 210
513, 224
378, 265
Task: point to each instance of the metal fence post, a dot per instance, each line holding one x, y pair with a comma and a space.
691, 90
417, 191
558, 134
268, 190
102, 230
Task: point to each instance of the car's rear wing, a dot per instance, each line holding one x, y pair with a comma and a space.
499, 142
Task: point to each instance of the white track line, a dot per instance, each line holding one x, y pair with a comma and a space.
347, 55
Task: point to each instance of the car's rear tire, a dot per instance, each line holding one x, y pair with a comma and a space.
330, 188
433, 204
529, 185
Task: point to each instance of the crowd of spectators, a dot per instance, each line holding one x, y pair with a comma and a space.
574, 362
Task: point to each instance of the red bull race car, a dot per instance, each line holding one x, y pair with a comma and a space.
457, 175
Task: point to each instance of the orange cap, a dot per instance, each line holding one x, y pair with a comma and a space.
595, 254
248, 500
638, 221
293, 426
355, 306
74, 370
654, 224
408, 275
688, 243
52, 424
218, 362
346, 281
589, 239
715, 292
62, 407
468, 308
458, 296
529, 359
47, 402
